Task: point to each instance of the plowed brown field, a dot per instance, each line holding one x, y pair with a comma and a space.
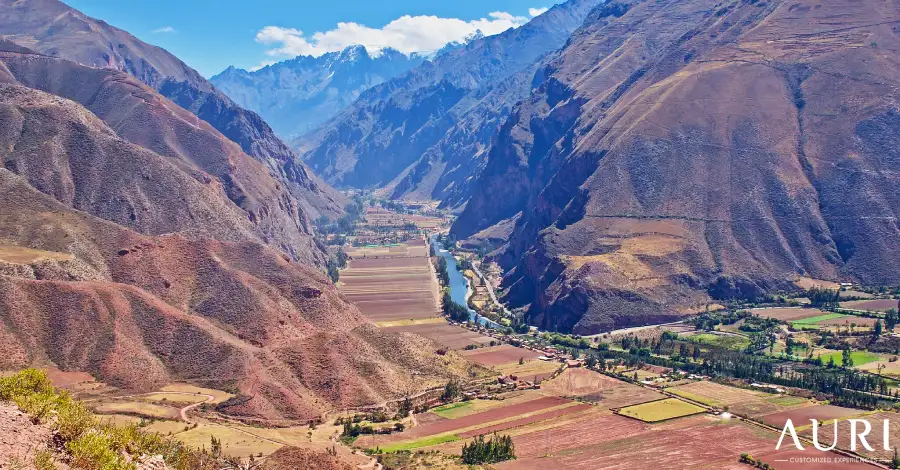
499, 355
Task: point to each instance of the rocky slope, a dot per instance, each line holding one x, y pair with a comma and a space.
140, 245
53, 28
296, 95
139, 311
423, 134
142, 185
679, 151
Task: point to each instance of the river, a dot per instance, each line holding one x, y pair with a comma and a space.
460, 290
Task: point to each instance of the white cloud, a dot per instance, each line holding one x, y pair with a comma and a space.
164, 29
537, 11
407, 34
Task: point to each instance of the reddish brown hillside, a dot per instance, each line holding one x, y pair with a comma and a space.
139, 115
687, 149
67, 153
139, 311
53, 28
293, 458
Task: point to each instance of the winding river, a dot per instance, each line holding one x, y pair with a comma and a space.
460, 290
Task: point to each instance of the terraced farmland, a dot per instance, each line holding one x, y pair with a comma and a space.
395, 287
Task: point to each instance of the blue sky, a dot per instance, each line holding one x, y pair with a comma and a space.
211, 35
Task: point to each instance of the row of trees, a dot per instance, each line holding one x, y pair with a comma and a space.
496, 449
453, 310
847, 386
824, 298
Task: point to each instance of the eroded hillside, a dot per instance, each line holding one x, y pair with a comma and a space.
682, 150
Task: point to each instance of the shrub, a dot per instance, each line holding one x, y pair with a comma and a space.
93, 451
93, 445
43, 460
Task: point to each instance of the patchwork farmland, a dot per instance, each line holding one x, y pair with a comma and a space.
612, 425
395, 287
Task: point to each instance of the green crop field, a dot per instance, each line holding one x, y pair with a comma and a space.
819, 318
424, 442
660, 410
859, 357
723, 341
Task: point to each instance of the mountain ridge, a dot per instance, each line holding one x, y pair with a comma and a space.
389, 130
296, 95
644, 180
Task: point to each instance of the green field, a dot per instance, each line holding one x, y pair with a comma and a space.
859, 357
424, 442
818, 318
723, 341
452, 410
660, 410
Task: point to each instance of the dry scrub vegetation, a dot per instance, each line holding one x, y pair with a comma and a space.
82, 440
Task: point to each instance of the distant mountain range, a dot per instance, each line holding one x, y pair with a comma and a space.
297, 95
423, 134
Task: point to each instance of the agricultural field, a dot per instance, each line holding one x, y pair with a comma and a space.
176, 399
234, 442
466, 408
835, 319
598, 388
500, 355
801, 416
390, 288
738, 400
875, 437
859, 357
788, 313
395, 288
887, 366
454, 337
499, 417
532, 371
661, 410
138, 408
734, 341
22, 255
880, 305
627, 444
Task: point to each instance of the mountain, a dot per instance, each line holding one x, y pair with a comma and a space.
678, 152
131, 156
140, 245
423, 134
53, 28
297, 95
139, 312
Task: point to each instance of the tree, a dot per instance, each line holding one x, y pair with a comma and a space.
876, 332
497, 449
451, 390
891, 319
895, 460
341, 258
333, 272
846, 359
215, 447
